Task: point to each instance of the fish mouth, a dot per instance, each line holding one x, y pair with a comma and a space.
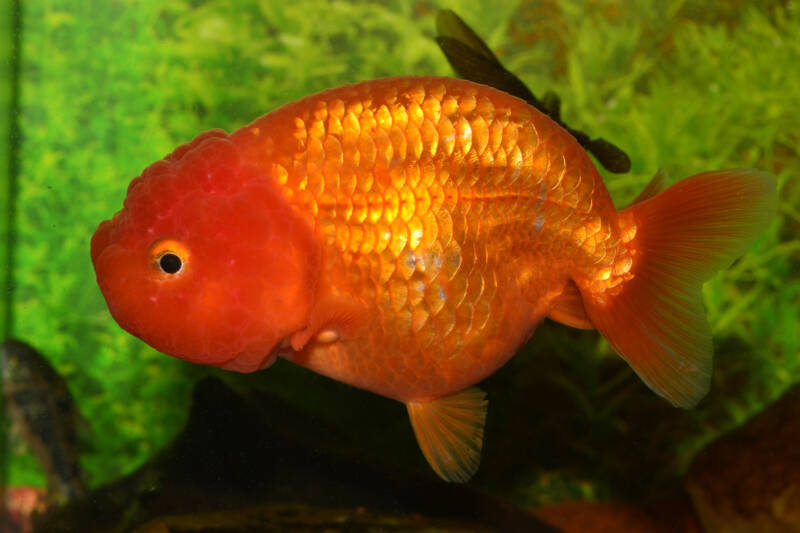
246, 364
271, 358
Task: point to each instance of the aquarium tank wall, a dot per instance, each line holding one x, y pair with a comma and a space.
94, 92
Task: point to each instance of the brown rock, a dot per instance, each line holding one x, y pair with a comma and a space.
302, 518
616, 517
749, 480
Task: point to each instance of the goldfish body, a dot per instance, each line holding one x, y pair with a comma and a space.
406, 236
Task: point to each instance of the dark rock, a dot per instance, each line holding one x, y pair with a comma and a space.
603, 517
749, 480
283, 518
237, 454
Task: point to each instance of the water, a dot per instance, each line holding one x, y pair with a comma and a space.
104, 90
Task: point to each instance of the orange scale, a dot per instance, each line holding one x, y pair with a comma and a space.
351, 127
435, 297
510, 136
447, 136
415, 115
449, 105
463, 135
383, 117
430, 230
384, 148
414, 143
456, 290
368, 150
369, 240
399, 116
426, 335
432, 108
416, 232
467, 103
404, 319
376, 205
480, 134
407, 264
357, 233
399, 239
399, 144
388, 265
430, 137
452, 261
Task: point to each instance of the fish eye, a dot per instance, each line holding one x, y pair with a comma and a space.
170, 263
169, 256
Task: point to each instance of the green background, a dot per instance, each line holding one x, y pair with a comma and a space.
106, 88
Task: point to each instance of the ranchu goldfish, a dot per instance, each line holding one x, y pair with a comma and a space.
406, 236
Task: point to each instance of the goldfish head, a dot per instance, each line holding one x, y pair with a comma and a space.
207, 261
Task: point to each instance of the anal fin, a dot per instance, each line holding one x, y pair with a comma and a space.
568, 308
449, 432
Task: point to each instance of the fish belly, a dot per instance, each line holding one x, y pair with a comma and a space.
453, 212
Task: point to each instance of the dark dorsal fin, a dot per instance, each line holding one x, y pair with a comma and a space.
473, 60
449, 25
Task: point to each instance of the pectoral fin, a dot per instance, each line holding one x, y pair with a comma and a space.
449, 431
333, 318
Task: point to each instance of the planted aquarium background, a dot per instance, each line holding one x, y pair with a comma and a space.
102, 89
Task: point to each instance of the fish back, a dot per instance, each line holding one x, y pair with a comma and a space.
445, 206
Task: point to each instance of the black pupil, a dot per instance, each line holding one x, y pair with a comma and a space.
170, 263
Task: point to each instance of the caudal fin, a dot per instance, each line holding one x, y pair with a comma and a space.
683, 236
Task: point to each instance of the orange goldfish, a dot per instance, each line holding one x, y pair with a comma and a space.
406, 236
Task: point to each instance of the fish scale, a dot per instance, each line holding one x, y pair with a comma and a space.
440, 169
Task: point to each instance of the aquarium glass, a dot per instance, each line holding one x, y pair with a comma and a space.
106, 88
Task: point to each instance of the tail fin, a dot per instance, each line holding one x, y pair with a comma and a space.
684, 235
